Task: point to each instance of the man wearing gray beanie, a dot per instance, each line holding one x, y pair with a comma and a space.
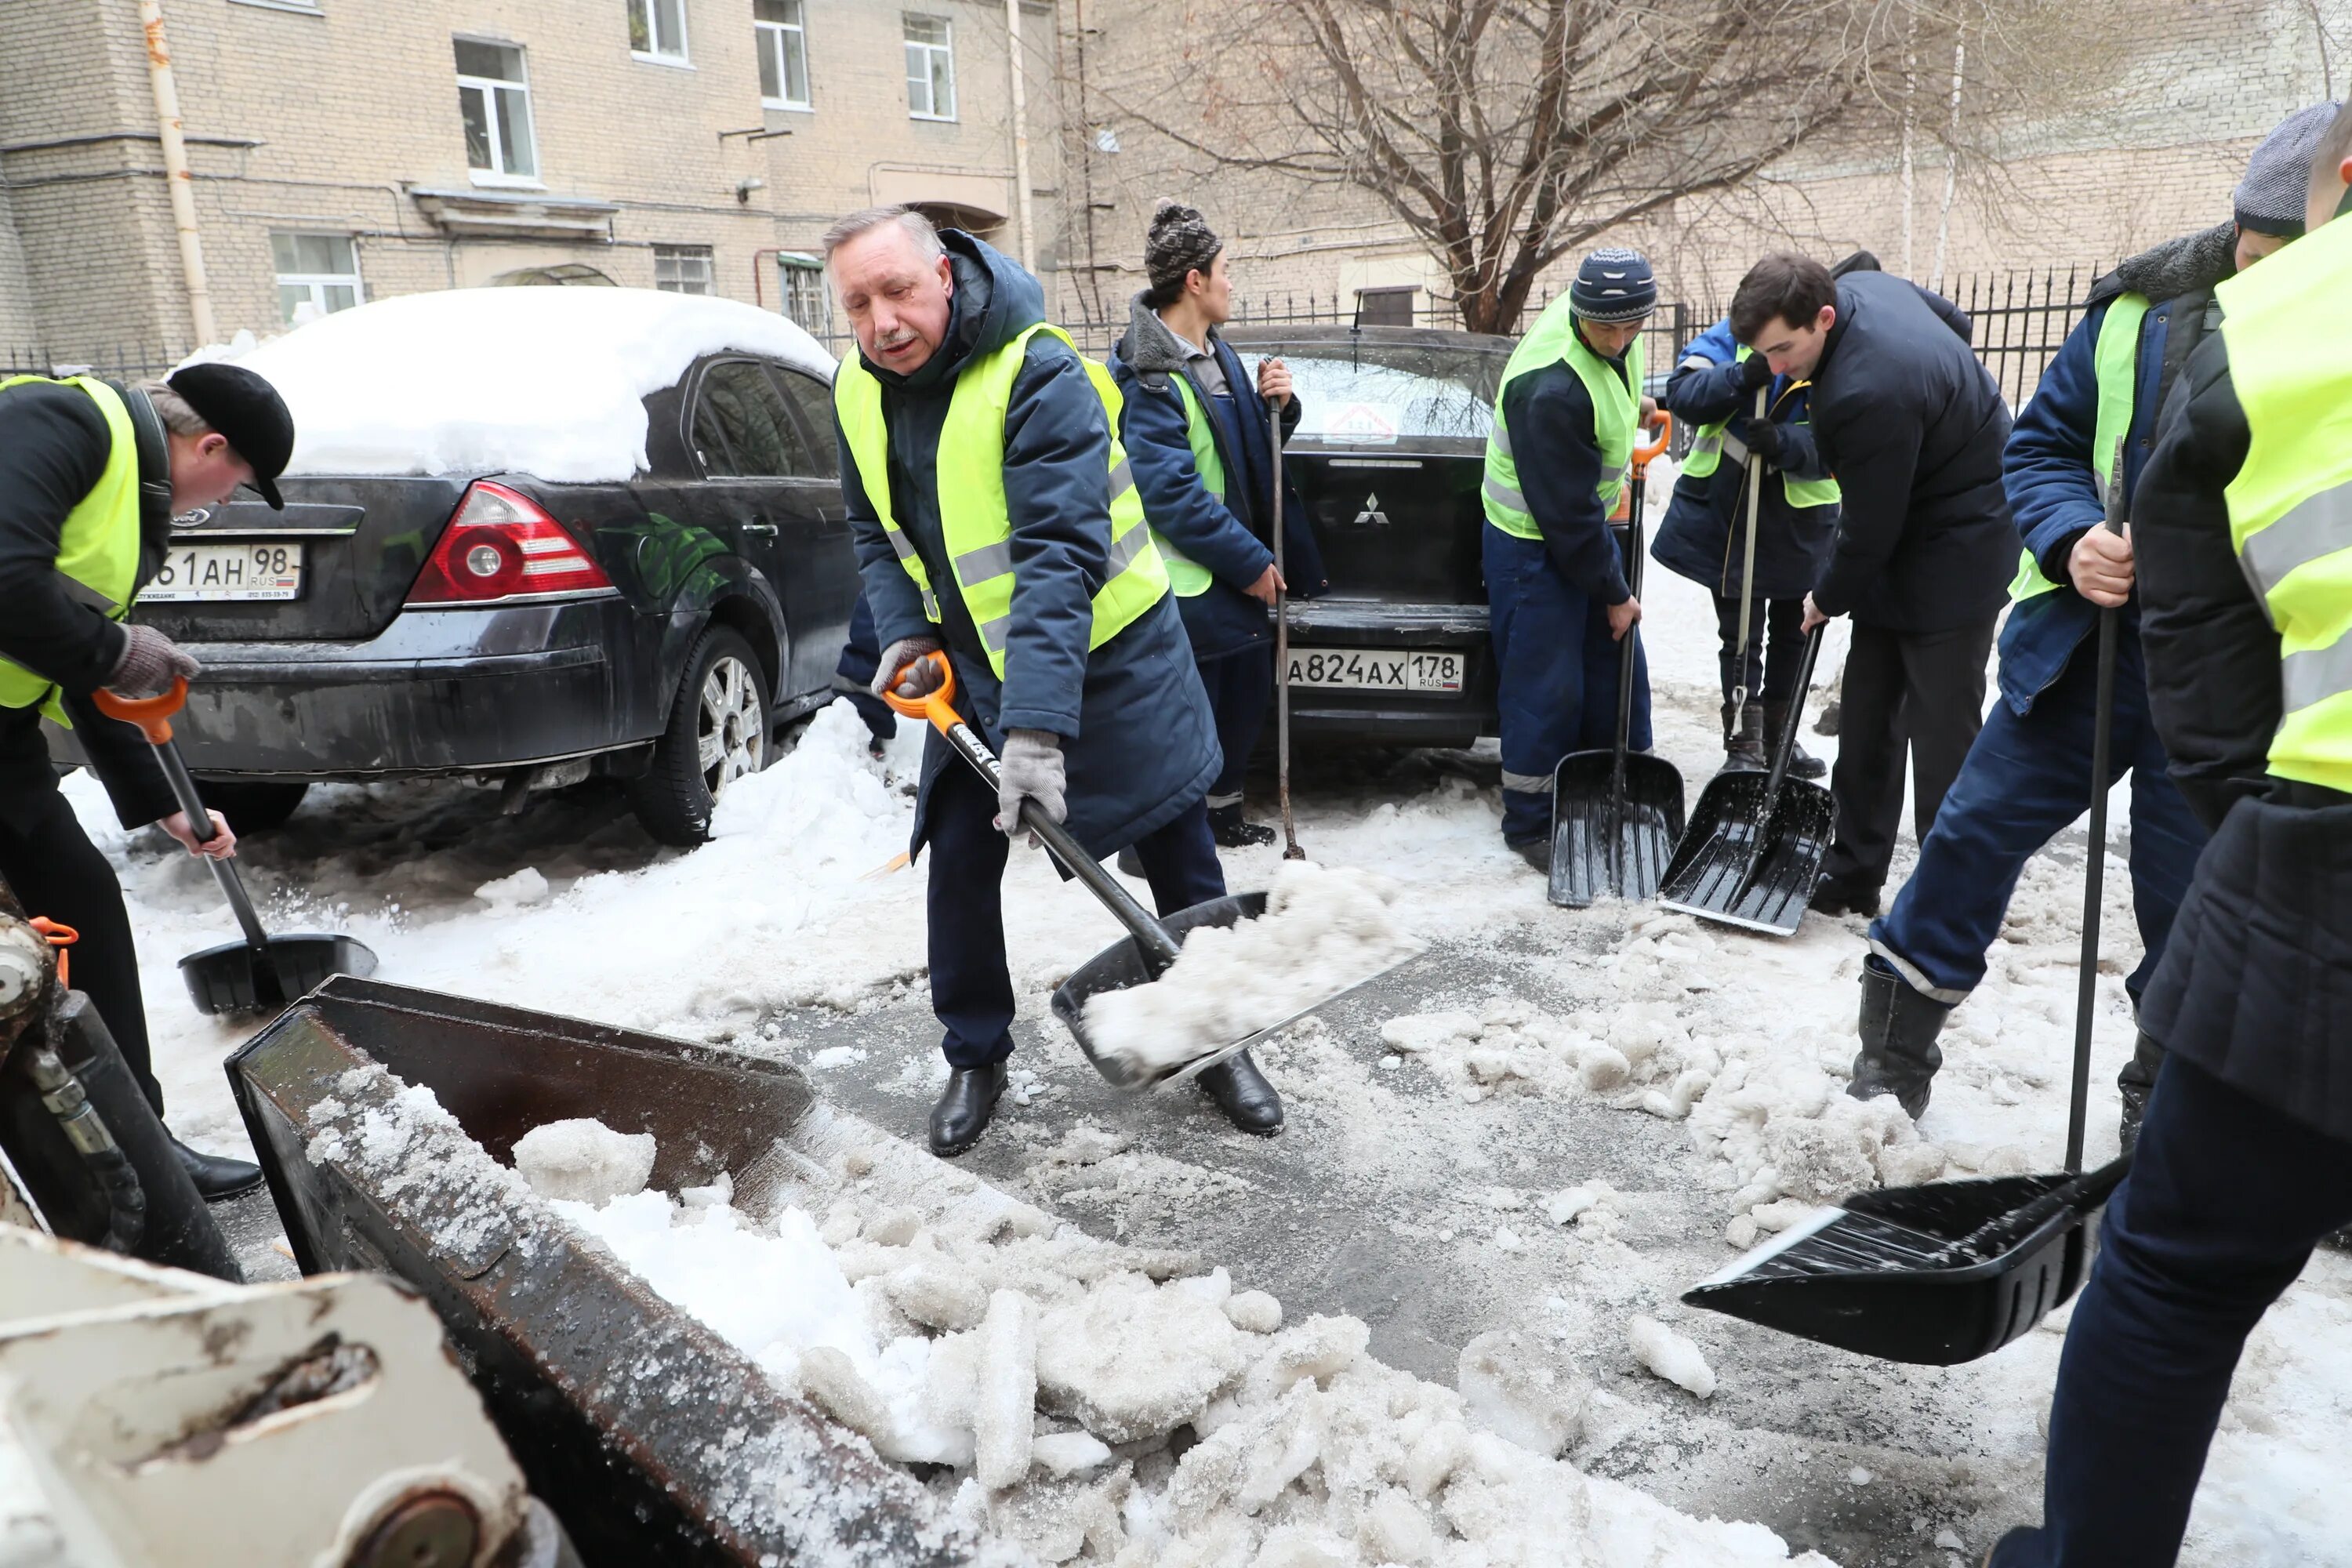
1566, 421
2028, 773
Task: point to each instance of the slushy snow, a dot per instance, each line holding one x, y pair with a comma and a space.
585, 1161
1323, 930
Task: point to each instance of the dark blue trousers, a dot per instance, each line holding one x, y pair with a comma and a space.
1241, 688
2225, 1200
853, 677
2025, 779
1555, 675
971, 989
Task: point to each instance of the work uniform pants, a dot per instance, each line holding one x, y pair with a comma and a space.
1919, 693
1773, 682
2225, 1200
2026, 779
853, 675
972, 988
1241, 688
1555, 675
55, 870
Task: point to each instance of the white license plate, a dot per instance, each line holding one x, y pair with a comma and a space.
1377, 668
251, 570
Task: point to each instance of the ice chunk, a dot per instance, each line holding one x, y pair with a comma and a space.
1418, 1032
829, 1379
937, 1296
1008, 1390
1668, 1355
1320, 1348
1396, 1529
1434, 1456
1068, 1453
1134, 1360
585, 1161
528, 886
1254, 1311
1515, 1386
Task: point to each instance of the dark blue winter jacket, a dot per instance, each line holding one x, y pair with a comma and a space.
1228, 538
2053, 490
1702, 537
1550, 416
1136, 734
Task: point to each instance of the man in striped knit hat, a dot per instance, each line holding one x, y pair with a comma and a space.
1565, 422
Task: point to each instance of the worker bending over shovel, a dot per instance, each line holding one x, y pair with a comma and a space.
1565, 417
995, 518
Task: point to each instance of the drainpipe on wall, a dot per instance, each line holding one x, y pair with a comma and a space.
1020, 131
176, 179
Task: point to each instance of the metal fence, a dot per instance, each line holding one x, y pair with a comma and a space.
123, 362
2021, 318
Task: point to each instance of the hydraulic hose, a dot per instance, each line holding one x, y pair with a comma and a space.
69, 1102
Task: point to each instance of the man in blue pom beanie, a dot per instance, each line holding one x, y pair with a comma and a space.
1565, 421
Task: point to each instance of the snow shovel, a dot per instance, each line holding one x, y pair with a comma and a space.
1150, 945
1952, 1270
262, 972
1754, 846
1616, 815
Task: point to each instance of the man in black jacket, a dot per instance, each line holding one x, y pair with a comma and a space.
1913, 427
2242, 536
90, 476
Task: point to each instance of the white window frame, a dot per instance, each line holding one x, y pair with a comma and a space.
680, 59
945, 48
771, 39
489, 88
318, 282
674, 254
808, 273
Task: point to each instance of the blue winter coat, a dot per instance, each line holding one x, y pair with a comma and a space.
1229, 538
1136, 735
2053, 490
1702, 537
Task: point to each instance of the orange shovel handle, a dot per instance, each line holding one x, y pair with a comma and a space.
936, 707
152, 714
1643, 455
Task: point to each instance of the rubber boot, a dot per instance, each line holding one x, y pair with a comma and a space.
965, 1107
1898, 1027
2138, 1077
1743, 749
1802, 765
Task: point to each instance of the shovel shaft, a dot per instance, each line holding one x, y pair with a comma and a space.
2102, 724
1747, 567
152, 715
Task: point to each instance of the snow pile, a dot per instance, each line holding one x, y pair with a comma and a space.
545, 382
1323, 930
399, 1137
583, 1161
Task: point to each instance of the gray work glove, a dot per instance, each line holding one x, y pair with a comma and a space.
150, 663
1030, 778
920, 681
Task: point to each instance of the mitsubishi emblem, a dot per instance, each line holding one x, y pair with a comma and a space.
1371, 516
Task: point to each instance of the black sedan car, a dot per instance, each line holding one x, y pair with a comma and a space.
532, 603
1389, 458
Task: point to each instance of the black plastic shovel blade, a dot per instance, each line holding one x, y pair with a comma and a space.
1747, 865
230, 979
1886, 1274
1596, 839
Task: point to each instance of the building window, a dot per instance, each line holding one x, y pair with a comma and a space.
494, 96
808, 303
658, 30
781, 30
1384, 306
931, 68
316, 274
682, 268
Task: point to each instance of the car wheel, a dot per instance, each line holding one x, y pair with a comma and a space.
252, 806
718, 733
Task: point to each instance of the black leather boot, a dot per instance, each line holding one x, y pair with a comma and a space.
1898, 1028
217, 1179
2133, 1082
1743, 749
1536, 852
1802, 765
1242, 1092
965, 1107
1231, 831
1836, 896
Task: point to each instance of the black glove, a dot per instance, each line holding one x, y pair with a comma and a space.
1761, 437
1755, 371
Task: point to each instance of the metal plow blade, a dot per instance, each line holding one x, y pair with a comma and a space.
1596, 840
1740, 866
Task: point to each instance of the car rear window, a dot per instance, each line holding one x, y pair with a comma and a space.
1378, 394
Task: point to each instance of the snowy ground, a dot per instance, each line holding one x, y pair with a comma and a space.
1679, 1075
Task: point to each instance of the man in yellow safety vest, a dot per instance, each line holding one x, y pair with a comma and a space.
996, 519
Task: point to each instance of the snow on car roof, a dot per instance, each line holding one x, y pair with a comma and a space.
545, 382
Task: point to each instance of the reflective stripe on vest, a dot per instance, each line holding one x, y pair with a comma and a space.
98, 547
2291, 505
1187, 576
1715, 442
1616, 410
2116, 367
975, 518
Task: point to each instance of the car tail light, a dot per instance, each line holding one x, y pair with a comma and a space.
501, 545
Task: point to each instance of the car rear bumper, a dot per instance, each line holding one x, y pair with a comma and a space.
1395, 718
439, 691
